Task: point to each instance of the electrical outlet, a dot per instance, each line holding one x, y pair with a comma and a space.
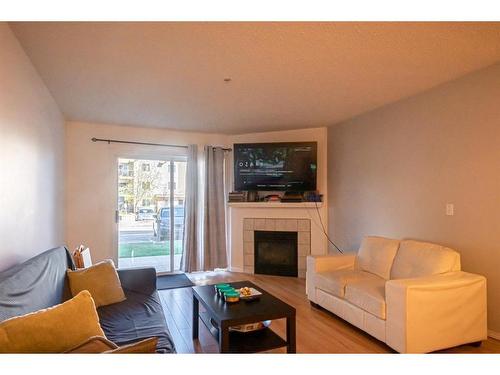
450, 209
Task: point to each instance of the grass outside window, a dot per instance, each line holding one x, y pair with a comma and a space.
148, 249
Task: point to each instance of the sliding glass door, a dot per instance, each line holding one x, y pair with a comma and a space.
150, 215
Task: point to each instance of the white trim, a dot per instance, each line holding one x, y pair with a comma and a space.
493, 334
236, 269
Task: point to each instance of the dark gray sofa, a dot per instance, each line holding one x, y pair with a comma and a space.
41, 282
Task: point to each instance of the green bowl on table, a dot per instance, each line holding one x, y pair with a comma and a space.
231, 296
223, 291
220, 288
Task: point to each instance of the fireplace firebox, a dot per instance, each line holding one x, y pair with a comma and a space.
275, 253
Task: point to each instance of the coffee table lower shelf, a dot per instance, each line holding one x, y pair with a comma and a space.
249, 342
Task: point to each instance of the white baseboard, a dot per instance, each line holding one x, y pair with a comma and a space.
493, 334
236, 269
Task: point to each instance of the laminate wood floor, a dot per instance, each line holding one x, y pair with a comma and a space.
318, 331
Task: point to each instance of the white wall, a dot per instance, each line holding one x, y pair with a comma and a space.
392, 171
31, 158
91, 177
91, 173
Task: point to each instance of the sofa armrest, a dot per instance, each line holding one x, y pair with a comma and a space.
324, 263
141, 280
435, 312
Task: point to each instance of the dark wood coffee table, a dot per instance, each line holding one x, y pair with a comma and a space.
219, 316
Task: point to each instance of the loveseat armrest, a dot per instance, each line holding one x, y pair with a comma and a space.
325, 263
435, 312
141, 280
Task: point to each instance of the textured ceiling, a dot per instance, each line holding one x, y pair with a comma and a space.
284, 75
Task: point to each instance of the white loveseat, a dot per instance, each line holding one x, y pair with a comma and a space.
411, 295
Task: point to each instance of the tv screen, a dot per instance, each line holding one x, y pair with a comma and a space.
275, 166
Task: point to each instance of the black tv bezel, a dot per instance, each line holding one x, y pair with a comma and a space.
282, 144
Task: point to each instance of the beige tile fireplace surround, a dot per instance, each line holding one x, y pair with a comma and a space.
247, 217
301, 226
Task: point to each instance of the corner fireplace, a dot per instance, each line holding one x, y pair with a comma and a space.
275, 253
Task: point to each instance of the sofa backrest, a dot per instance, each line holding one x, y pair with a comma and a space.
376, 255
418, 259
36, 284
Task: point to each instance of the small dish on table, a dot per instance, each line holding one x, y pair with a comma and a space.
249, 293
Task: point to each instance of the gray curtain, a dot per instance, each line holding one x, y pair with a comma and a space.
214, 223
190, 258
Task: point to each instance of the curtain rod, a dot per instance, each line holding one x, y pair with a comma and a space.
143, 143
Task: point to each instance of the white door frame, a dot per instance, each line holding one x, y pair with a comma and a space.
173, 154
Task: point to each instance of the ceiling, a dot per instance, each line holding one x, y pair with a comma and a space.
284, 75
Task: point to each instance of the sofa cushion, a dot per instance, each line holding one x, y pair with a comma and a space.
418, 259
368, 294
139, 317
376, 255
334, 282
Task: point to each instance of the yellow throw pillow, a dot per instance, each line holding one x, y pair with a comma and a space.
101, 280
147, 346
93, 345
99, 344
52, 330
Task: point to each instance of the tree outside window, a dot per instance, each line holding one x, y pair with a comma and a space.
149, 182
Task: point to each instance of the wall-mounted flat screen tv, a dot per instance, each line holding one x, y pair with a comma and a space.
287, 166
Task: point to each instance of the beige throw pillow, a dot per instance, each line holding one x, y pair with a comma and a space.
52, 330
101, 280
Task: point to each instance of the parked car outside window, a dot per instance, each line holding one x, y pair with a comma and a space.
144, 213
161, 225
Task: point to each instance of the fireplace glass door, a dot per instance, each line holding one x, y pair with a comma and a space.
275, 253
